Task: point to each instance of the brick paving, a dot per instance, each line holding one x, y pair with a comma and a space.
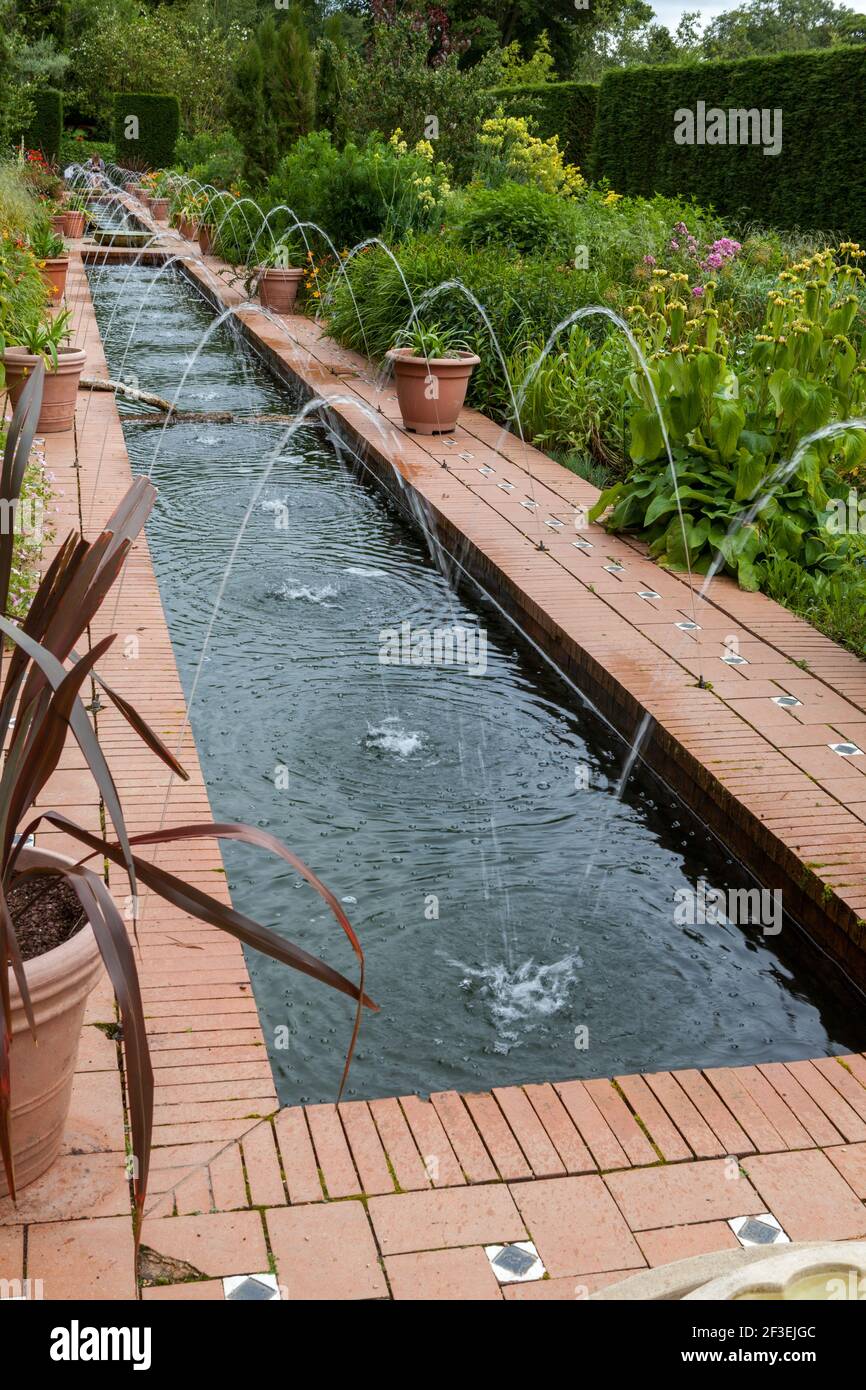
398, 1198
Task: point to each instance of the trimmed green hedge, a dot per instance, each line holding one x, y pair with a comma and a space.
566, 109
158, 119
46, 127
816, 182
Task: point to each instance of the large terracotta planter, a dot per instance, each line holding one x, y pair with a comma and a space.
188, 229
58, 223
206, 237
159, 209
431, 392
73, 224
60, 388
278, 289
59, 982
53, 272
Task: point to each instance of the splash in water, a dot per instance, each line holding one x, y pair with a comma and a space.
518, 998
391, 737
303, 591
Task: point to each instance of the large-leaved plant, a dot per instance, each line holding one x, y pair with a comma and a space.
735, 424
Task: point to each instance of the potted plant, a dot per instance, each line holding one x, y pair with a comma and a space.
58, 224
278, 277
190, 210
159, 203
59, 916
206, 236
74, 216
432, 367
51, 256
40, 344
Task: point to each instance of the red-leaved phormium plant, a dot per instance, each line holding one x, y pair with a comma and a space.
40, 703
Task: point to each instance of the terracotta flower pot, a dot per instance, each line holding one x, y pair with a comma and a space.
60, 390
53, 272
59, 982
159, 209
431, 393
206, 237
73, 224
278, 289
188, 229
58, 223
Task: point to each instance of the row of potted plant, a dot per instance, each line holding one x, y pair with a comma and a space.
42, 336
432, 366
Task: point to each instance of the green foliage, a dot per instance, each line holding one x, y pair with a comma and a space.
833, 603
290, 84
431, 340
272, 96
390, 85
819, 181
572, 399
524, 300
216, 159
331, 68
158, 128
565, 109
378, 187
245, 107
747, 486
118, 46
76, 148
46, 125
518, 216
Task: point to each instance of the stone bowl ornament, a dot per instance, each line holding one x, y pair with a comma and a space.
831, 1271
806, 1271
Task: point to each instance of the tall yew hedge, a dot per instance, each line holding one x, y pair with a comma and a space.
817, 182
158, 119
46, 126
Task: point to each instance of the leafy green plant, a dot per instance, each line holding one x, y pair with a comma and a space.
431, 341
40, 702
285, 254
734, 425
521, 217
44, 243
44, 336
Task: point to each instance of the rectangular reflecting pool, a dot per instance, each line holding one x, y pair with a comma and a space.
521, 922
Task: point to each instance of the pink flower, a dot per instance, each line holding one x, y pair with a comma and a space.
714, 261
697, 291
649, 260
675, 246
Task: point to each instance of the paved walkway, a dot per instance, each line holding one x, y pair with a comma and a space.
399, 1197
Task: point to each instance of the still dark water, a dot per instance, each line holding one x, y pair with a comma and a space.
503, 905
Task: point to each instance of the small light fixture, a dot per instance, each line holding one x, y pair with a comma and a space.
648, 594
529, 504
486, 470
786, 701
251, 1288
554, 523
846, 750
688, 626
582, 545
614, 568
758, 1230
506, 487
516, 1263
731, 659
